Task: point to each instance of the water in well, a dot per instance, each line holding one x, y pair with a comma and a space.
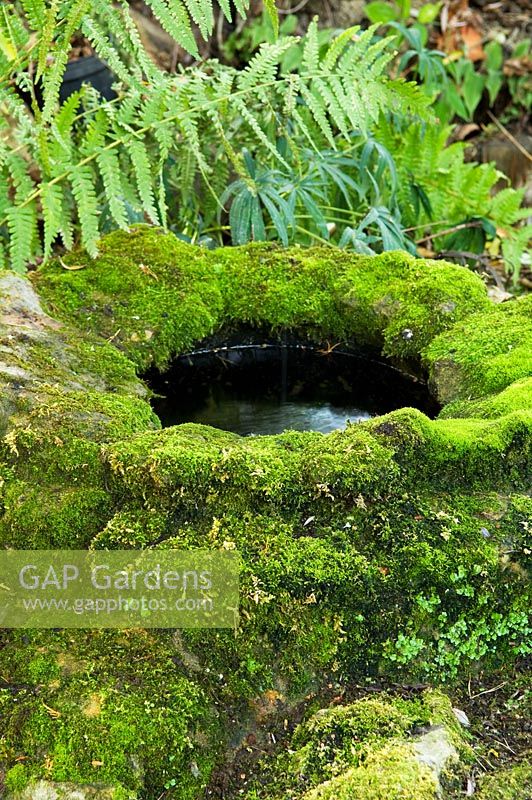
256, 389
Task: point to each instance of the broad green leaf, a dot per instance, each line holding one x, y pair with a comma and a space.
472, 91
428, 13
379, 12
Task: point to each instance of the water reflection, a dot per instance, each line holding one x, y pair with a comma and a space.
266, 389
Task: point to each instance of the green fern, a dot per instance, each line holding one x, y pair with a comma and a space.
91, 161
142, 171
83, 182
109, 166
21, 223
52, 211
81, 147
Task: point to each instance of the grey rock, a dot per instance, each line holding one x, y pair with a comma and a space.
436, 750
44, 790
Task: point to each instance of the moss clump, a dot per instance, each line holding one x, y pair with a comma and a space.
337, 738
513, 783
157, 296
16, 778
43, 518
394, 546
366, 750
402, 303
147, 291
195, 464
484, 353
516, 397
130, 721
56, 495
391, 773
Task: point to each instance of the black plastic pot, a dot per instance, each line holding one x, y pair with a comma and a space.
89, 69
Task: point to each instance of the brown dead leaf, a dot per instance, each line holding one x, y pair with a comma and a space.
518, 66
463, 131
148, 271
472, 39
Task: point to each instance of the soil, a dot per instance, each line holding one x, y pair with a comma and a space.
499, 709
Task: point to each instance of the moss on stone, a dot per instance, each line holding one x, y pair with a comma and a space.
131, 720
390, 773
394, 546
484, 353
371, 749
47, 518
516, 397
147, 291
403, 302
157, 296
512, 783
337, 738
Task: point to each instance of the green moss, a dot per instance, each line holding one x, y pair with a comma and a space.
42, 518
394, 546
16, 778
337, 738
512, 783
516, 397
157, 296
403, 302
391, 773
367, 749
484, 353
131, 720
147, 291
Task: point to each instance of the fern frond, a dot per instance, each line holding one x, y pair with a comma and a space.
109, 166
21, 224
263, 67
46, 37
201, 12
52, 210
66, 228
257, 130
12, 34
35, 11
176, 22
226, 8
18, 171
271, 10
61, 133
311, 48
241, 6
53, 75
100, 41
338, 46
83, 180
141, 166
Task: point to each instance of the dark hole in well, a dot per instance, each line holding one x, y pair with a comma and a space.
268, 387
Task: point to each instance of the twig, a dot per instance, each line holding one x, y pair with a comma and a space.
509, 136
460, 227
488, 691
501, 744
300, 6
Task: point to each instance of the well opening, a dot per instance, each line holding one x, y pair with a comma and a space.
252, 385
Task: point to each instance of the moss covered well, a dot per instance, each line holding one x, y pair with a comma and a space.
397, 547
